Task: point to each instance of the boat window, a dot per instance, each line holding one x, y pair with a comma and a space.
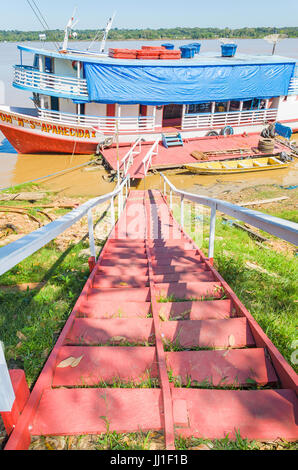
49, 64
234, 105
199, 108
221, 107
35, 61
54, 103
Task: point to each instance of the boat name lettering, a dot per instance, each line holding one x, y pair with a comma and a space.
49, 128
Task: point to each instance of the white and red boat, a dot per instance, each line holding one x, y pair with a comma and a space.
83, 100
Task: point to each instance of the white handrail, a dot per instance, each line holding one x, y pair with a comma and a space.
29, 77
17, 251
127, 160
148, 157
232, 118
281, 228
105, 123
293, 86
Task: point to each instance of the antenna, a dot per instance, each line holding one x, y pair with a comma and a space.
42, 37
106, 32
69, 27
274, 39
225, 40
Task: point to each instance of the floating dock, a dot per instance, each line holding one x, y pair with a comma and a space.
217, 148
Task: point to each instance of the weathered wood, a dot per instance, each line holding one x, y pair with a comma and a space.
248, 230
264, 201
22, 196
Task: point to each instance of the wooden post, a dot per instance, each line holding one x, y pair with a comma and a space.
7, 395
21, 392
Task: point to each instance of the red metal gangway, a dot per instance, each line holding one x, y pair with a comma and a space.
200, 334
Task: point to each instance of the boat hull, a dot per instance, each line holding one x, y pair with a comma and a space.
26, 142
33, 135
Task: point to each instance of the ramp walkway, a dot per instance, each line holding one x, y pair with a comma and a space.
159, 341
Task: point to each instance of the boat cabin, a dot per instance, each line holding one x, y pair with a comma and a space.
203, 93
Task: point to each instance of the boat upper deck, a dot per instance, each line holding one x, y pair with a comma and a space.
203, 59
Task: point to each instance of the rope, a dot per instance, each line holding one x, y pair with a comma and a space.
42, 21
47, 176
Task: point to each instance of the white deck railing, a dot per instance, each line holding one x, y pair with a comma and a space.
293, 87
281, 228
233, 118
30, 77
102, 123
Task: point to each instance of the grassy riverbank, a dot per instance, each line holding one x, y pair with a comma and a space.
122, 34
263, 275
37, 296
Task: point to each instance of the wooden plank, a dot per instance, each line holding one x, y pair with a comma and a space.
255, 414
231, 332
91, 410
264, 201
234, 367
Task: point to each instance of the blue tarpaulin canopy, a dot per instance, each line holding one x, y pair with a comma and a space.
157, 84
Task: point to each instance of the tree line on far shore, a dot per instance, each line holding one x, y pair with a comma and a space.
153, 34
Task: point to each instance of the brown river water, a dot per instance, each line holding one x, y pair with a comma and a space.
17, 169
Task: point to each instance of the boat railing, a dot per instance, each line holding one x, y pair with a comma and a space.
102, 123
31, 78
230, 118
281, 228
147, 160
293, 87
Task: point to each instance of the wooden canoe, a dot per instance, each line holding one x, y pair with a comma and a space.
237, 166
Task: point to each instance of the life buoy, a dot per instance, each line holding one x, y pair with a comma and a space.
228, 130
211, 133
74, 65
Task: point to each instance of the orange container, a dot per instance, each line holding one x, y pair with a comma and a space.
122, 53
170, 55
154, 48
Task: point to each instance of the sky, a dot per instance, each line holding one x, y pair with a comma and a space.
93, 14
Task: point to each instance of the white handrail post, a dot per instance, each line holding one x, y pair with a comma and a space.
112, 212
7, 396
212, 233
91, 234
118, 173
171, 198
120, 202
182, 210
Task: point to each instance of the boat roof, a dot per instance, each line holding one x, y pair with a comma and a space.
203, 59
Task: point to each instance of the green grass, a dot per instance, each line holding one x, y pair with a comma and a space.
22, 187
270, 297
227, 443
129, 441
31, 321
116, 382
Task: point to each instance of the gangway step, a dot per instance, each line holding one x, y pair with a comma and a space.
172, 140
96, 410
256, 414
259, 414
158, 341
